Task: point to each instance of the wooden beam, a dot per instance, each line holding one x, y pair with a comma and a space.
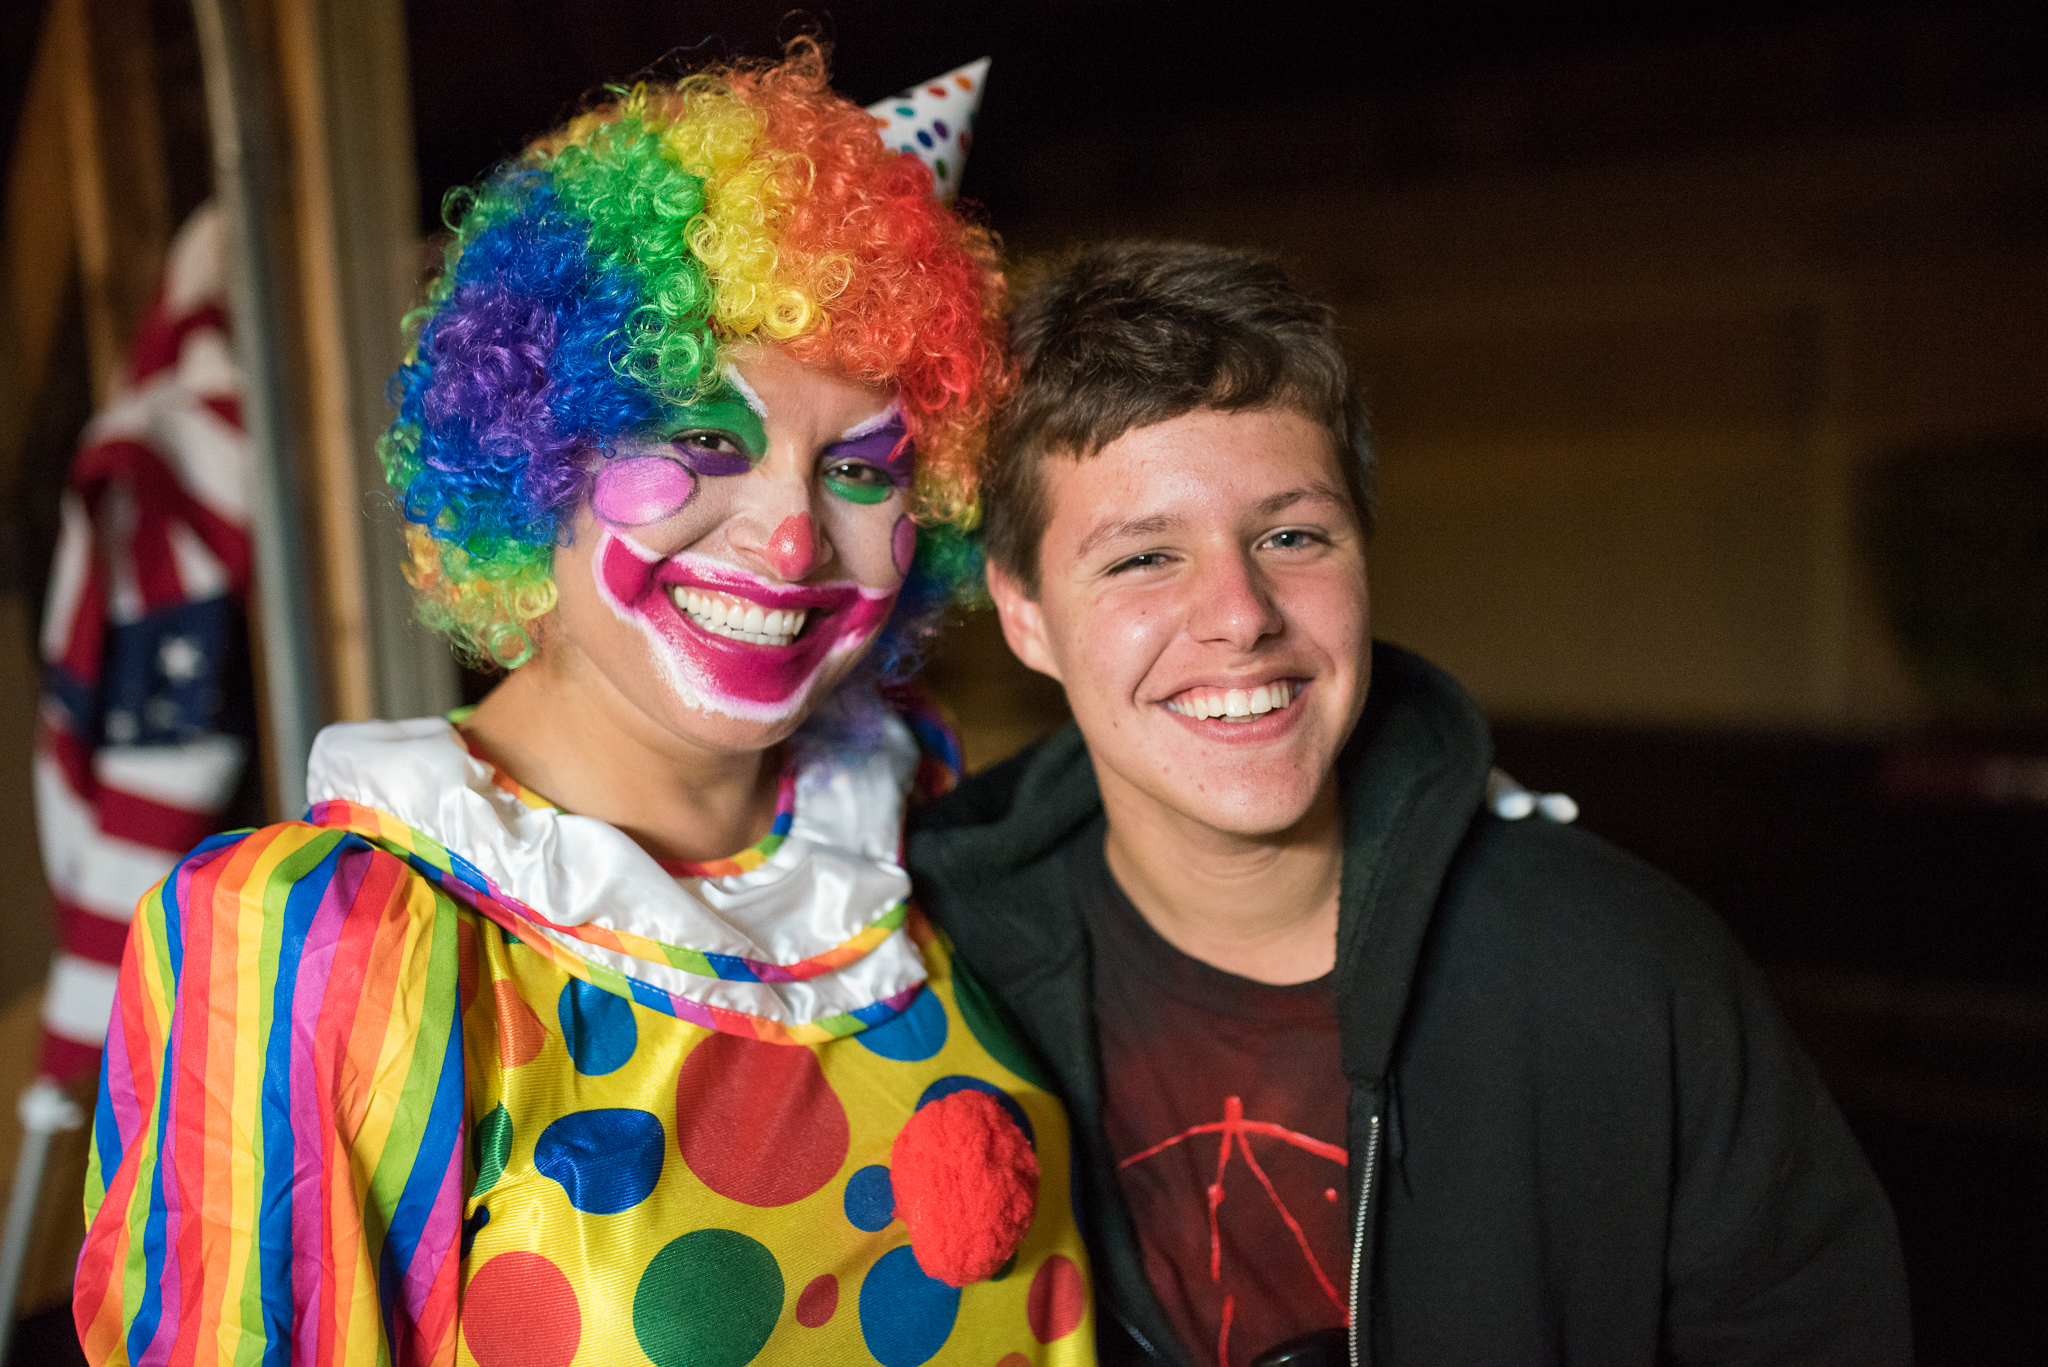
121, 197
348, 119
38, 236
326, 418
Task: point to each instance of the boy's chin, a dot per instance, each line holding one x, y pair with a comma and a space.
1231, 802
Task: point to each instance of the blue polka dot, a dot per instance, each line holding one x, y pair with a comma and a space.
946, 1086
607, 1161
926, 139
905, 1316
915, 1033
598, 1028
906, 111
870, 1198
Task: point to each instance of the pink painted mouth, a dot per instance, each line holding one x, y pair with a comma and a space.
741, 678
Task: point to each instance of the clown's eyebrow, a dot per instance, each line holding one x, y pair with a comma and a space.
873, 424
746, 391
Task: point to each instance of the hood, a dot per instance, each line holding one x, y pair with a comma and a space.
1412, 777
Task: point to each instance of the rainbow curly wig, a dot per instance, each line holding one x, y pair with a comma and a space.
595, 283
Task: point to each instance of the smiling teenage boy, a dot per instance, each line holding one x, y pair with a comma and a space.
1359, 1072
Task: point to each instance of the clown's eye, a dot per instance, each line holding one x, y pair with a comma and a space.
710, 451
857, 481
855, 472
705, 439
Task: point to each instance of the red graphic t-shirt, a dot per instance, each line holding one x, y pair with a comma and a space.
1225, 1107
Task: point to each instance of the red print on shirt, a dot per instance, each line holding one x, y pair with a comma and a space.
1235, 1130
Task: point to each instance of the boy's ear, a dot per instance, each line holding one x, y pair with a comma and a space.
1023, 622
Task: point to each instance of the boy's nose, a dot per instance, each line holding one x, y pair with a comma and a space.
1233, 604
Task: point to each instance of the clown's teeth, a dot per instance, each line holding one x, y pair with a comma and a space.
739, 620
1234, 704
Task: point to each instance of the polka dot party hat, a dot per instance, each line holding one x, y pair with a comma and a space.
935, 122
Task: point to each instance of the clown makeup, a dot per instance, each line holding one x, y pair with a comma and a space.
757, 547
733, 642
871, 460
723, 435
632, 491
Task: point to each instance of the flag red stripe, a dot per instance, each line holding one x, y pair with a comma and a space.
145, 821
66, 1058
89, 935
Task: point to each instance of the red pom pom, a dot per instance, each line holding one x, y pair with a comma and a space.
965, 1181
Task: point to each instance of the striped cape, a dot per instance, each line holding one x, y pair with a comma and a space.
334, 1130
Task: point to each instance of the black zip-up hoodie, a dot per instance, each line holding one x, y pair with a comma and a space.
1579, 1130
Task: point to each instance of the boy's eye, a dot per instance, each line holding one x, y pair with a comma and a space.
1292, 539
1143, 561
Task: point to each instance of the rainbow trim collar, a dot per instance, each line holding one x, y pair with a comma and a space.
804, 939
466, 883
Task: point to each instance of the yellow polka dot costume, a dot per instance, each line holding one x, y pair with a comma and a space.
432, 1077
783, 1186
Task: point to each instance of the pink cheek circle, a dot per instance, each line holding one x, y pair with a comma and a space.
904, 543
641, 489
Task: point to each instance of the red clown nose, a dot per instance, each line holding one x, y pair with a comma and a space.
793, 549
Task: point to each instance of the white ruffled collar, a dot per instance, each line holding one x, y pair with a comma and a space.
834, 875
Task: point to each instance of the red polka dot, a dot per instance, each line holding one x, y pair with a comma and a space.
818, 1301
1013, 1360
520, 1033
758, 1122
1058, 1296
937, 90
518, 1311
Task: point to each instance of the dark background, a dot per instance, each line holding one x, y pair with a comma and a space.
1883, 847
1902, 924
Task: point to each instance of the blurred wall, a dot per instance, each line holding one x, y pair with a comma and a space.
1631, 322
1637, 290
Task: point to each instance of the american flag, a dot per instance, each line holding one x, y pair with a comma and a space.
137, 750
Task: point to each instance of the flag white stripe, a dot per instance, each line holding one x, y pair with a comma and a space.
79, 1000
102, 873
67, 576
210, 457
199, 776
200, 573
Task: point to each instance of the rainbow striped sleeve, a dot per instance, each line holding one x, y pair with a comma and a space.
276, 1171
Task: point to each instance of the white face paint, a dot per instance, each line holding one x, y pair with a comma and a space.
729, 595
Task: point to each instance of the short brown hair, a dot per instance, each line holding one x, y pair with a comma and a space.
1126, 334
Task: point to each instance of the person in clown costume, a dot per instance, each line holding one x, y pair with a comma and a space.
593, 1025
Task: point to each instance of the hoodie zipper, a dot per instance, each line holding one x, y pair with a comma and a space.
1372, 1156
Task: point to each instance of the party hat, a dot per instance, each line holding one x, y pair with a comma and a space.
935, 122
